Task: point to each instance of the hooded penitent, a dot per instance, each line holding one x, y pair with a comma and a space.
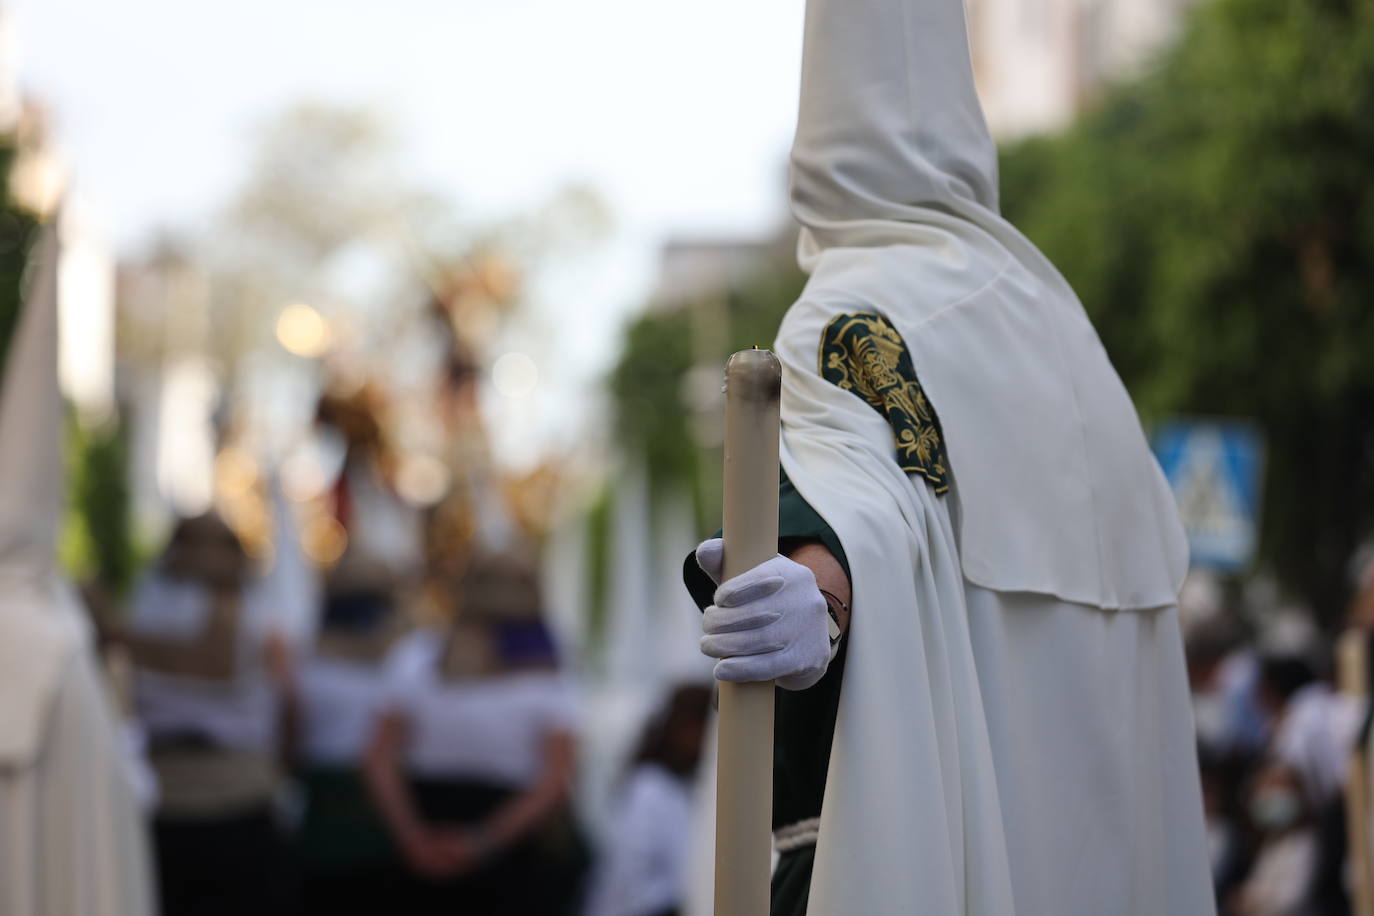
38, 635
71, 835
1013, 733
894, 182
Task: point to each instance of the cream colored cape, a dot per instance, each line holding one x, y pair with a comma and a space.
1014, 733
71, 836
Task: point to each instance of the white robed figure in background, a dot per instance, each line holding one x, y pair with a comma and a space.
995, 718
72, 839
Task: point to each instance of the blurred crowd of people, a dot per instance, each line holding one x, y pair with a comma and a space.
402, 733
417, 751
414, 750
1276, 738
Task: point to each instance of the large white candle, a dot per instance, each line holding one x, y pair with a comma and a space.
744, 767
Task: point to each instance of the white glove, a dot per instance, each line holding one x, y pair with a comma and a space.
770, 623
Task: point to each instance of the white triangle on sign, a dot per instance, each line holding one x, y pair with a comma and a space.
1220, 530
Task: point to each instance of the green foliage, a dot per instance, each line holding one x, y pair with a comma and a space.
646, 385
1217, 219
599, 564
96, 544
95, 540
756, 306
654, 416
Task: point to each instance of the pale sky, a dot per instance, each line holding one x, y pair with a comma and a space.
678, 112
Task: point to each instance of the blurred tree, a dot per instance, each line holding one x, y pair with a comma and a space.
599, 565
646, 384
328, 216
97, 546
320, 177
651, 384
665, 394
1217, 220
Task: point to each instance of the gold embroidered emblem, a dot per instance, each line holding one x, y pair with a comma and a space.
864, 354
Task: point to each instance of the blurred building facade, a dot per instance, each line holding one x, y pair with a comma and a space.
1037, 63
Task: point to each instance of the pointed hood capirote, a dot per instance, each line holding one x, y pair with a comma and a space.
40, 627
31, 485
890, 129
894, 184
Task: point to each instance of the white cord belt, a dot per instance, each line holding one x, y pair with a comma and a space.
798, 835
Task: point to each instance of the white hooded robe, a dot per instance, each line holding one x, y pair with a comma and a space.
1014, 733
72, 839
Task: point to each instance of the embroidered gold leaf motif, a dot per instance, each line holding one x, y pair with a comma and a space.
864, 354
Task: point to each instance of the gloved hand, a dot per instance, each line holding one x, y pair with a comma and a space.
770, 623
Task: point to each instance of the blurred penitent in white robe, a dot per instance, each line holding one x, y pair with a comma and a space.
72, 839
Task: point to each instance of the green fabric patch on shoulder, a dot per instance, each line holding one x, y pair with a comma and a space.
863, 353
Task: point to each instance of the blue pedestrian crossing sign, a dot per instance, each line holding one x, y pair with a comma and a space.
1215, 468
